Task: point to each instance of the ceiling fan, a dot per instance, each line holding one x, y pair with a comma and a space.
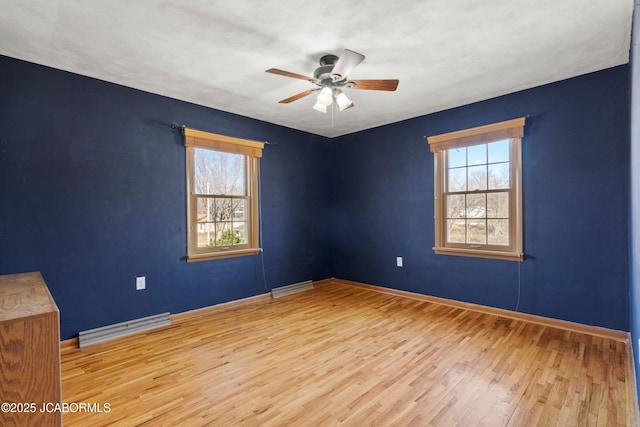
331, 79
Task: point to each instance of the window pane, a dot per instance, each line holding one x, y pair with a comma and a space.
477, 154
224, 209
476, 206
240, 209
476, 231
218, 173
455, 206
498, 205
477, 178
239, 232
224, 234
206, 234
456, 230
498, 232
498, 176
457, 157
457, 179
204, 209
499, 151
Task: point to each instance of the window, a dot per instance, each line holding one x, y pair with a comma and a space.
222, 189
478, 191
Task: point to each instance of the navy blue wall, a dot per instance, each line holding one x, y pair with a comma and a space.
92, 194
634, 247
575, 188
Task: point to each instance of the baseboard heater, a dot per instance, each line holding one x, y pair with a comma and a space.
118, 330
291, 289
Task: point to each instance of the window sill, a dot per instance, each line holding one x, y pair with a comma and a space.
225, 254
478, 253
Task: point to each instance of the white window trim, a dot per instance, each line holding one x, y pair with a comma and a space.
439, 144
253, 152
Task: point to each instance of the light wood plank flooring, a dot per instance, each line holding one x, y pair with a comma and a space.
340, 355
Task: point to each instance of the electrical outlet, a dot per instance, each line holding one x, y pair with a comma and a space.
140, 283
399, 261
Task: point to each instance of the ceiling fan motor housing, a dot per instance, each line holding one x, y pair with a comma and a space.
328, 60
323, 73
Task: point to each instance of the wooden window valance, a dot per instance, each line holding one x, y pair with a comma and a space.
224, 143
477, 135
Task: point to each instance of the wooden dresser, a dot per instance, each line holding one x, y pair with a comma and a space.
29, 352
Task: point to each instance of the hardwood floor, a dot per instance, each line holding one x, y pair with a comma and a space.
340, 355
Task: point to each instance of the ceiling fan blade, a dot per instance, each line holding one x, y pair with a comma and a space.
389, 85
290, 74
346, 63
298, 96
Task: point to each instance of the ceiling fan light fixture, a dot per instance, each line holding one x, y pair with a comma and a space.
343, 101
325, 97
320, 107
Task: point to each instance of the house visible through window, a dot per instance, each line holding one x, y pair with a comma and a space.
222, 188
478, 191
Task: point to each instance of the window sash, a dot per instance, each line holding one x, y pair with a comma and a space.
446, 242
220, 226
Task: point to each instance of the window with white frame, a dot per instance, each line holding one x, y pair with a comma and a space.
478, 191
222, 189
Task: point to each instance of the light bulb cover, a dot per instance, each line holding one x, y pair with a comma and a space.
325, 97
342, 101
320, 107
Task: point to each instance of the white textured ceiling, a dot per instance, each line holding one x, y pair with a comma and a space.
445, 53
